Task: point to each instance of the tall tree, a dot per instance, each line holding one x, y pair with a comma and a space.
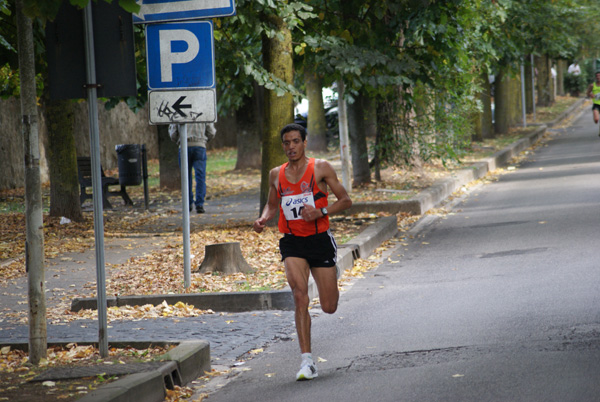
502, 98
279, 108
357, 127
544, 86
62, 158
33, 191
317, 126
250, 127
168, 160
254, 47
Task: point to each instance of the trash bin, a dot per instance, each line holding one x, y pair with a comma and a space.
130, 164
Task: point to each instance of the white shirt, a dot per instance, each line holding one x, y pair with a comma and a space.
574, 69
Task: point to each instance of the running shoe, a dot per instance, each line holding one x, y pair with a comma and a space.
308, 371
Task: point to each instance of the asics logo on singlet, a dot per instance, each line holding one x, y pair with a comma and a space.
296, 201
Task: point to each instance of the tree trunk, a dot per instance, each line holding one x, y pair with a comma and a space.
561, 69
501, 101
168, 160
544, 87
361, 173
487, 124
370, 106
34, 246
62, 156
317, 127
516, 100
224, 257
529, 89
279, 110
384, 132
249, 127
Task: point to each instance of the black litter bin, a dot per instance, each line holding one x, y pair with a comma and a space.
130, 164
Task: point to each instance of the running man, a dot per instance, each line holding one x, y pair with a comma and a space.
298, 189
593, 92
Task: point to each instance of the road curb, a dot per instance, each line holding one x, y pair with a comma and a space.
442, 189
567, 112
189, 360
186, 362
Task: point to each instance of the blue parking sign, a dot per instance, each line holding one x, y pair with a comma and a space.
180, 55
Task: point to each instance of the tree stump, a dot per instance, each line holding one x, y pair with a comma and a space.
224, 257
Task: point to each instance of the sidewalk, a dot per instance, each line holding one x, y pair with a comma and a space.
230, 334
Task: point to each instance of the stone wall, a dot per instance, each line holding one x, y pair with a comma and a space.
117, 126
12, 154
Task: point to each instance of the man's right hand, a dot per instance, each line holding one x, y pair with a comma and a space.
259, 224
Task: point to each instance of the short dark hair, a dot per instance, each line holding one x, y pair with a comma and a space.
294, 127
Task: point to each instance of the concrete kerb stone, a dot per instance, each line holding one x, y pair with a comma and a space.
192, 358
442, 189
189, 360
567, 112
370, 238
147, 386
229, 302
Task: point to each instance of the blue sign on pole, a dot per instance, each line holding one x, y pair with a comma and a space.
180, 55
177, 10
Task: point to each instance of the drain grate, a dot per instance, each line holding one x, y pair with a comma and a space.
66, 373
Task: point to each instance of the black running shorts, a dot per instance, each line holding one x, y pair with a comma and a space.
596, 106
320, 250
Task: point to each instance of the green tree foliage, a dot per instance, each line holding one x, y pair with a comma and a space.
388, 49
238, 49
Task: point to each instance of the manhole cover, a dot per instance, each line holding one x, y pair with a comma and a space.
65, 373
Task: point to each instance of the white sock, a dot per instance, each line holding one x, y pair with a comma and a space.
307, 357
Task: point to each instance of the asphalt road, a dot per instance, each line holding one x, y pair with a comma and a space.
498, 300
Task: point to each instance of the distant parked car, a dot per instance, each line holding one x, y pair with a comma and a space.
331, 114
302, 119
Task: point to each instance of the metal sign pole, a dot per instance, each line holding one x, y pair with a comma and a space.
96, 180
185, 205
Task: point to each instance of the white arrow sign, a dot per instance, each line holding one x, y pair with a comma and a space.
177, 106
178, 10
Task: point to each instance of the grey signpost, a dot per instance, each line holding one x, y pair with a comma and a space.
96, 181
181, 76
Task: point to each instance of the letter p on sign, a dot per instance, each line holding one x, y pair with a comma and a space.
180, 55
168, 56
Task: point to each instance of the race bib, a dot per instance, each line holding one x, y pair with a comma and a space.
597, 96
292, 205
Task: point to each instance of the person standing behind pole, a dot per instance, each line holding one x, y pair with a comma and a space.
298, 190
593, 92
198, 134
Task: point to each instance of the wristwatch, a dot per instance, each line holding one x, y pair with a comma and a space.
324, 211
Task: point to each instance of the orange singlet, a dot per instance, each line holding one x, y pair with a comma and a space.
293, 196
